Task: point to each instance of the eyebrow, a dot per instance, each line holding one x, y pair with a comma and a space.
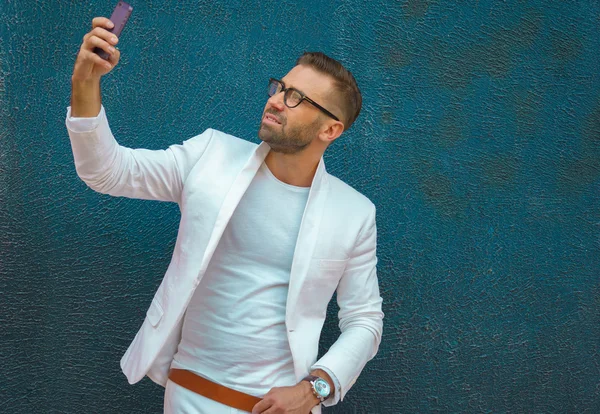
286, 86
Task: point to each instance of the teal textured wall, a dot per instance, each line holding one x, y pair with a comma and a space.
479, 142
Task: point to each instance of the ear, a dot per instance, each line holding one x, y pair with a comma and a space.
332, 129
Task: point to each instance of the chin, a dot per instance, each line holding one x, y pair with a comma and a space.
263, 134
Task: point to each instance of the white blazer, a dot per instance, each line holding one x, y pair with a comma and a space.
207, 176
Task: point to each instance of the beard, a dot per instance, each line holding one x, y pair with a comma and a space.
288, 140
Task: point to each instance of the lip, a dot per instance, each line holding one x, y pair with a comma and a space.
271, 119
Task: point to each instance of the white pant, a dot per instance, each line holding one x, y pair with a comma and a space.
180, 400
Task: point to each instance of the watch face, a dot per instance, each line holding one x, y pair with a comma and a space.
322, 388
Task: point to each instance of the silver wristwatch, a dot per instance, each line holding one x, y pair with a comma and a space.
320, 387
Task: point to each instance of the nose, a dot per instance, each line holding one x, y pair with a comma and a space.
276, 101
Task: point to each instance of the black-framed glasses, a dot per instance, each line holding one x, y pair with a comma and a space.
293, 97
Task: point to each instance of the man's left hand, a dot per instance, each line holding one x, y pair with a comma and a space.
298, 399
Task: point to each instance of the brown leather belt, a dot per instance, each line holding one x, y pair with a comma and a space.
215, 392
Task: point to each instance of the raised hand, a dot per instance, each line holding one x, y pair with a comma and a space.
90, 66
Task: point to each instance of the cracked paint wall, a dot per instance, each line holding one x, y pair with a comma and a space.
479, 142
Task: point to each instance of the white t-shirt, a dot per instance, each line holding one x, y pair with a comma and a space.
234, 328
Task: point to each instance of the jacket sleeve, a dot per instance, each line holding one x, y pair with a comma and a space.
360, 315
109, 168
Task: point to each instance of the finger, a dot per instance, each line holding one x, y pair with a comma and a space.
102, 22
93, 57
261, 406
114, 58
102, 34
91, 41
94, 42
272, 411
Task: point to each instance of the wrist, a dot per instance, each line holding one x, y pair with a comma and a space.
85, 85
309, 394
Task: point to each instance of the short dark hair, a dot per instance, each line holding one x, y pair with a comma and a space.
344, 83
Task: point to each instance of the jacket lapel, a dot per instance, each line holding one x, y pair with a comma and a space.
233, 197
307, 238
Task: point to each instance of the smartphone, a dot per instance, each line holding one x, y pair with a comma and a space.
119, 17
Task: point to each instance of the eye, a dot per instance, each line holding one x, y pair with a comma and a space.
273, 88
294, 98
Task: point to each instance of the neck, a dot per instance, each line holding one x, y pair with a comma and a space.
293, 169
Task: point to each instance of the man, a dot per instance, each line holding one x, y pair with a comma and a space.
266, 237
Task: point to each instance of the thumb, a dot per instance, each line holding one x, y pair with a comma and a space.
261, 406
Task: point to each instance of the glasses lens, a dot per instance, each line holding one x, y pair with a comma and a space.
274, 87
292, 98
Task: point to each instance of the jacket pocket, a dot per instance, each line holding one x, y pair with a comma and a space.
154, 313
